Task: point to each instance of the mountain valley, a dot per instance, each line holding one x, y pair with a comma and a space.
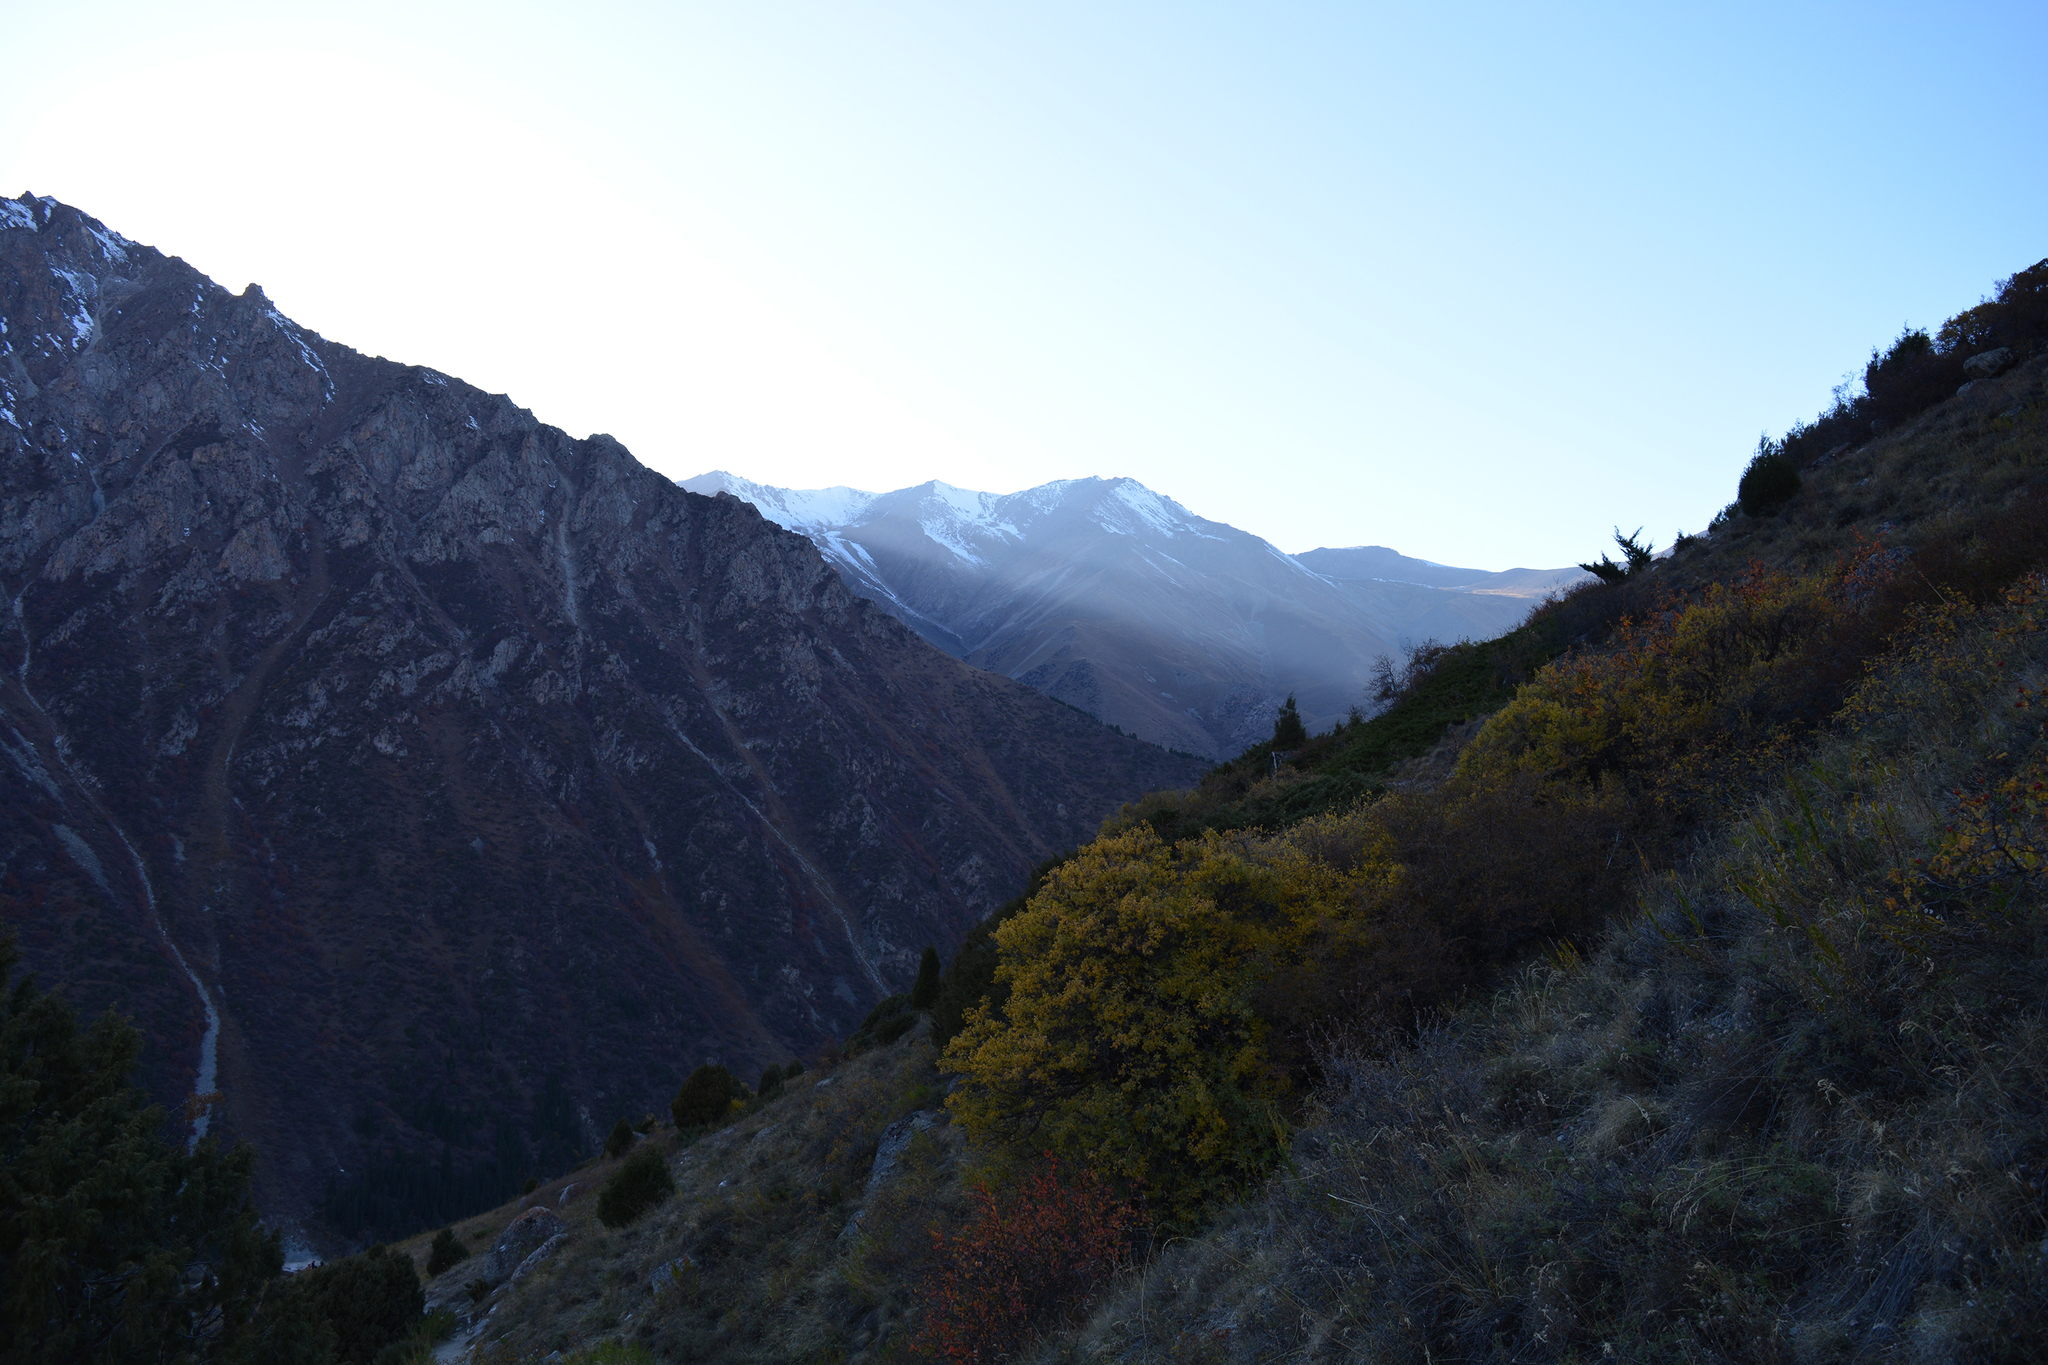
434, 788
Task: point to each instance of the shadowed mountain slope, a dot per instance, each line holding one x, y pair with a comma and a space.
436, 787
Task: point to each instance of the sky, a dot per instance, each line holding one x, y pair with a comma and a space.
1477, 282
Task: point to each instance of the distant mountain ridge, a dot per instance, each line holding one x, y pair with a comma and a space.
1114, 598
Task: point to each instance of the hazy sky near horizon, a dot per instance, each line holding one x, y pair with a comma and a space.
1477, 282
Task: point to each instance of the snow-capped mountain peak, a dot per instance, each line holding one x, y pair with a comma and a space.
797, 509
1116, 599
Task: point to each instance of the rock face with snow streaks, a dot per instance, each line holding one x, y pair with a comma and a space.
410, 757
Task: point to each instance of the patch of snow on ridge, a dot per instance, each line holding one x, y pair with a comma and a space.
81, 317
113, 246
15, 213
793, 509
1150, 507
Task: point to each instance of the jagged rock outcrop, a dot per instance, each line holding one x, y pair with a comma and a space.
432, 785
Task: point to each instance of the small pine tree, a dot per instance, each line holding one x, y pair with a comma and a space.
446, 1252
620, 1139
926, 991
771, 1081
1637, 554
1288, 731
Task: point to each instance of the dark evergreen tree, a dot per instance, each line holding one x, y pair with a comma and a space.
1769, 482
1288, 731
926, 991
1636, 555
116, 1243
368, 1303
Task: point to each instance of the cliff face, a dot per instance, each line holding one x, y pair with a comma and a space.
418, 775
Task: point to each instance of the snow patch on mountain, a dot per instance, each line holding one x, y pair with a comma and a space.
808, 510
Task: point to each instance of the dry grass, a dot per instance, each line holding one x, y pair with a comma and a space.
756, 1220
1945, 469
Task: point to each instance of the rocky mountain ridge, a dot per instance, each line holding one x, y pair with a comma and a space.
434, 787
1118, 600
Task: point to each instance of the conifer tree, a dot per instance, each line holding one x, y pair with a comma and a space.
1288, 731
116, 1243
926, 992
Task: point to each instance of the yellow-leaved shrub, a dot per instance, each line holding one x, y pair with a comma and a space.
1131, 1040
1690, 702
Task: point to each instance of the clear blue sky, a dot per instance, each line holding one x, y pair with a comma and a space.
1477, 282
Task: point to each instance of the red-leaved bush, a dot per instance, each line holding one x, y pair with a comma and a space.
1026, 1261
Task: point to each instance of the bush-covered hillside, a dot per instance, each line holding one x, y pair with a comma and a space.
1659, 981
1768, 815
1662, 981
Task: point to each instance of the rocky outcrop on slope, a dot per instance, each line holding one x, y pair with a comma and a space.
431, 784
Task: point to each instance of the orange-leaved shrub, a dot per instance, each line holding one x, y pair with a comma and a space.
1026, 1261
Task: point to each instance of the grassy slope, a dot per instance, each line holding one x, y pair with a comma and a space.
1766, 1121
759, 1209
1531, 1133
1751, 1126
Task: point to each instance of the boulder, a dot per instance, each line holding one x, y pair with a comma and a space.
536, 1256
1988, 363
521, 1238
895, 1141
889, 1151
672, 1275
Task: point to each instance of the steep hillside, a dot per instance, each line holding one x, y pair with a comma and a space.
1667, 985
435, 787
1114, 599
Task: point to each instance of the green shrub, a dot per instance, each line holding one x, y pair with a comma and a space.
641, 1182
370, 1302
620, 1139
1912, 375
706, 1097
446, 1252
885, 1023
1769, 482
770, 1082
